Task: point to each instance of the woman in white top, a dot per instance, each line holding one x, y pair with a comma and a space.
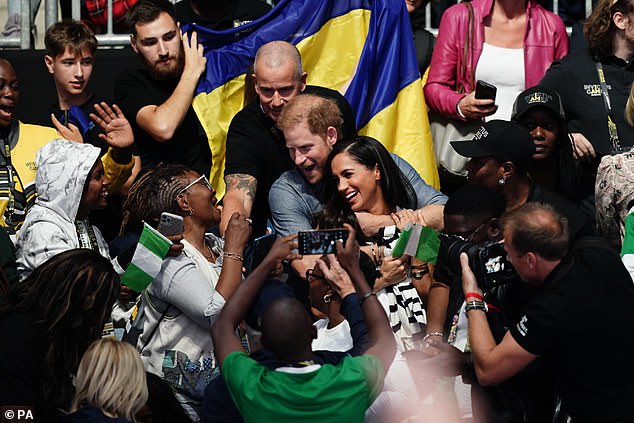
507, 43
182, 302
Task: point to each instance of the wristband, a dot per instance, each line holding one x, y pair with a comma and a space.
460, 111
474, 295
433, 334
233, 256
366, 296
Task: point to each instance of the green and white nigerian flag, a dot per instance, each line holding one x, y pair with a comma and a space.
627, 250
147, 260
418, 241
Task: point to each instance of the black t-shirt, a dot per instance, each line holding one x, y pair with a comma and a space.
256, 147
236, 13
92, 135
578, 223
580, 322
576, 80
135, 89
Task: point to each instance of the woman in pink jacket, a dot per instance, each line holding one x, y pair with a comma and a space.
511, 45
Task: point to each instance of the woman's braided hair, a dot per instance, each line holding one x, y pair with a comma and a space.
153, 193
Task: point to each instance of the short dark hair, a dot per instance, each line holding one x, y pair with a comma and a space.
69, 33
537, 228
475, 201
145, 11
285, 326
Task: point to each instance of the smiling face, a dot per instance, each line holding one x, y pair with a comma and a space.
309, 151
202, 199
358, 184
71, 71
277, 85
95, 194
9, 93
544, 127
159, 46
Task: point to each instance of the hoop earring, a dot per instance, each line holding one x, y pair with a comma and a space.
501, 181
328, 298
191, 211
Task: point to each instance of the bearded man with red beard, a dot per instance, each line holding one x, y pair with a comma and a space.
156, 98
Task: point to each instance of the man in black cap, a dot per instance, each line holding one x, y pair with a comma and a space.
501, 153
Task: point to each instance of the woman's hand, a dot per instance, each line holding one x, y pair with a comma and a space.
582, 149
393, 270
474, 108
237, 234
336, 276
406, 216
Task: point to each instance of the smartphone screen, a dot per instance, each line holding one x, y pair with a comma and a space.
320, 242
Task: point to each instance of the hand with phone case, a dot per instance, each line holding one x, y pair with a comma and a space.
479, 103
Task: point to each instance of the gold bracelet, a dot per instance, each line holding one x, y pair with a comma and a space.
233, 256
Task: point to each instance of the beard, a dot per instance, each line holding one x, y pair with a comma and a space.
165, 73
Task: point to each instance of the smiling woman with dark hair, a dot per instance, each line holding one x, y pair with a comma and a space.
70, 182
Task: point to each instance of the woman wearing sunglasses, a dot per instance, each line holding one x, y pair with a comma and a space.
180, 305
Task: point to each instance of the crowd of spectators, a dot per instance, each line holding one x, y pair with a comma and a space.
521, 313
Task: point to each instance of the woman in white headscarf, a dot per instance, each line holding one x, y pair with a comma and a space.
70, 182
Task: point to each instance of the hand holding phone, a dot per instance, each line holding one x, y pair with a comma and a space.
170, 224
485, 91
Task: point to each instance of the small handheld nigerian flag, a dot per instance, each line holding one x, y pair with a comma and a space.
148, 257
418, 241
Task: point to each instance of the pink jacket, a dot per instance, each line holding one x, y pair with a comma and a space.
545, 41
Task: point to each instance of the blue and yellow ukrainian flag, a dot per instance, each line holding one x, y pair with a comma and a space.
362, 48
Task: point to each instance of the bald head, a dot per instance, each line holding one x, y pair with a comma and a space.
287, 329
276, 54
537, 228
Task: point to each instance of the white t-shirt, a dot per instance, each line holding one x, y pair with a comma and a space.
334, 339
504, 68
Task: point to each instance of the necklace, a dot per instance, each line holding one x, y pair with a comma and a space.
211, 255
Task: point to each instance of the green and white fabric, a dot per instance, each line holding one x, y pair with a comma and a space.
147, 260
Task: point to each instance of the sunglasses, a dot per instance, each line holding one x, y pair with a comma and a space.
203, 180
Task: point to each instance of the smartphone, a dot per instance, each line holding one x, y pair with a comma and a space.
485, 91
261, 247
170, 224
320, 241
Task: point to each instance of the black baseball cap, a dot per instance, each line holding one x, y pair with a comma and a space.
506, 141
537, 96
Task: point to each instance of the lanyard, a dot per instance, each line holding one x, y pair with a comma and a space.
614, 135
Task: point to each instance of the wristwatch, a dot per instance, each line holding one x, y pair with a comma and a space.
476, 305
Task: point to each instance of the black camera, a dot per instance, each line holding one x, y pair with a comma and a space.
487, 261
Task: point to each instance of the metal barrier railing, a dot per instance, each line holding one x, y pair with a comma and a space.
24, 41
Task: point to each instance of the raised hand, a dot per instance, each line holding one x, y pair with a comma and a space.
117, 130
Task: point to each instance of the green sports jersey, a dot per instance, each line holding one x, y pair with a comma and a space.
328, 394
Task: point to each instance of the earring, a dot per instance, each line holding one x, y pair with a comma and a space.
328, 297
501, 181
191, 211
